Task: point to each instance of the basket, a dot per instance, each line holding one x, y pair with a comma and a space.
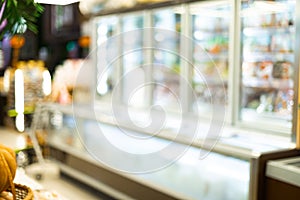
22, 192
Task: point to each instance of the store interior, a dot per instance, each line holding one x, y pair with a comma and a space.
150, 99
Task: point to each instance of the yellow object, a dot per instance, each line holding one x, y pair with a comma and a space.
84, 41
8, 167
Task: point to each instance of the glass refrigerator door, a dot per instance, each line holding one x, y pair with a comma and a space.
268, 36
166, 58
133, 72
210, 32
107, 51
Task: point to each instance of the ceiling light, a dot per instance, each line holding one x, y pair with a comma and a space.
56, 2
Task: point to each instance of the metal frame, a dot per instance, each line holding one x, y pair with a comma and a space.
296, 116
234, 62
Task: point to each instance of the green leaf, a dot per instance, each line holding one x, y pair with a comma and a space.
15, 11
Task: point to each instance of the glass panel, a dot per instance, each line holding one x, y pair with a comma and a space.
63, 129
107, 51
210, 32
190, 177
268, 61
134, 75
205, 179
166, 59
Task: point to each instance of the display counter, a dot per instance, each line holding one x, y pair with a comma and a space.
229, 171
286, 170
188, 178
283, 175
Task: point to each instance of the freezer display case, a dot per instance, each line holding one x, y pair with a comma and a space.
166, 58
132, 42
107, 51
133, 74
267, 61
239, 59
210, 33
189, 177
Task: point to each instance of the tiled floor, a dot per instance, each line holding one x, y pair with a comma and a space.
65, 186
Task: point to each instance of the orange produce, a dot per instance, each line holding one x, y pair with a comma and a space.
17, 41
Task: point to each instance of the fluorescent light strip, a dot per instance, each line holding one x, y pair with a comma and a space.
46, 83
56, 2
19, 91
19, 100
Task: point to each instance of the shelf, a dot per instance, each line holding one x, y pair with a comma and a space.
270, 56
27, 110
258, 31
211, 82
206, 56
269, 84
212, 33
273, 118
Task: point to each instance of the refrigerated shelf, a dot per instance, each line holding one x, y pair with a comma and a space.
279, 84
268, 62
271, 30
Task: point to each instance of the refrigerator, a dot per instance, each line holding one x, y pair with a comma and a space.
196, 56
166, 68
210, 23
242, 55
133, 72
267, 62
106, 53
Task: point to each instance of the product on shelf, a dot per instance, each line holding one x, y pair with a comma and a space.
268, 56
284, 102
281, 42
249, 69
266, 103
264, 70
282, 70
210, 30
267, 70
64, 80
